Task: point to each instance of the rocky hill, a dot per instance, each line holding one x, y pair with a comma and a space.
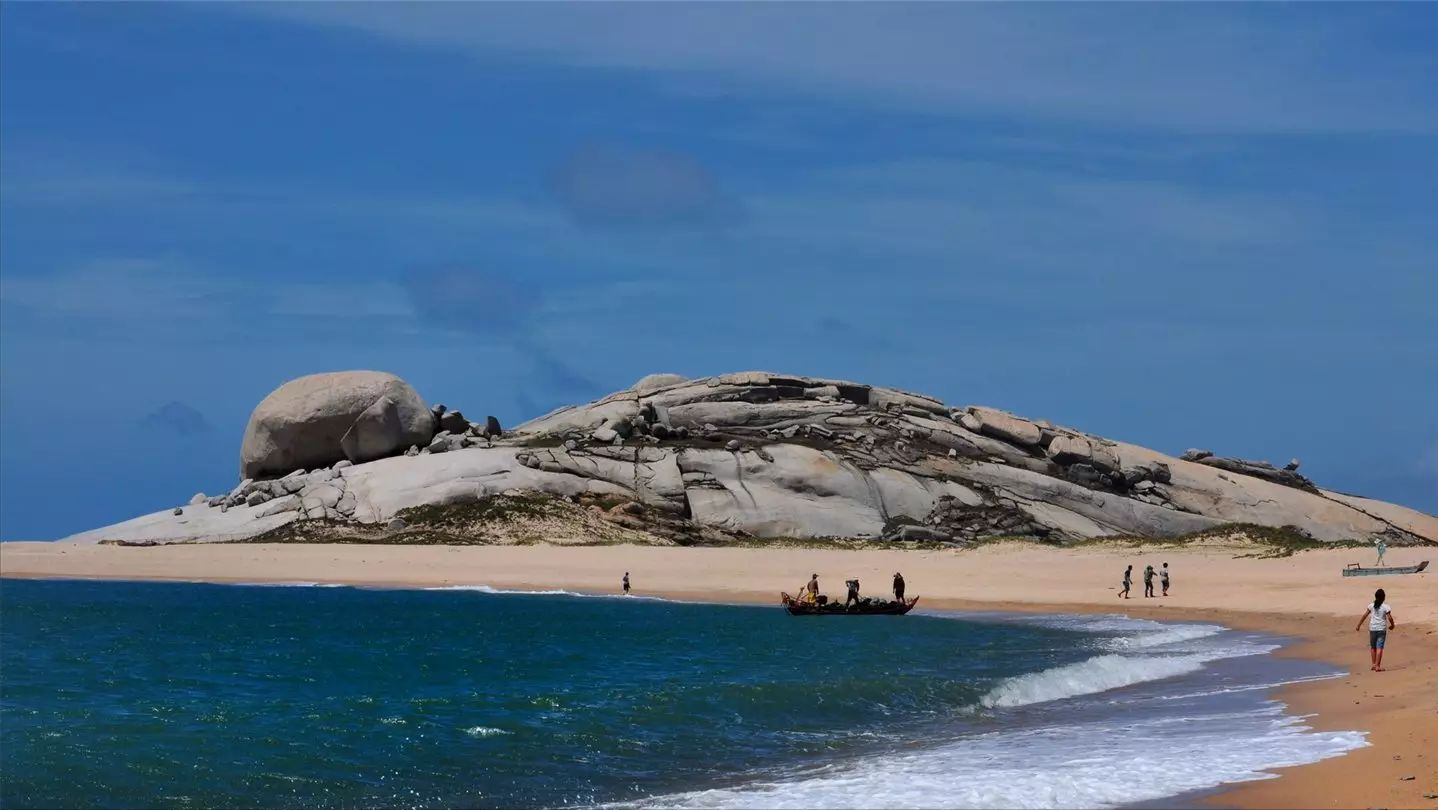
359, 456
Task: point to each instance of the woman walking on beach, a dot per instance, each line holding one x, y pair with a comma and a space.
1127, 582
1163, 577
1380, 621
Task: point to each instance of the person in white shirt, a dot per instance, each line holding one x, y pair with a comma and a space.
1380, 621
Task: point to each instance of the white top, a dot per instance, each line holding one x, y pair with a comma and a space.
1378, 619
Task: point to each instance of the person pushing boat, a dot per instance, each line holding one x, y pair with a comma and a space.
898, 586
853, 592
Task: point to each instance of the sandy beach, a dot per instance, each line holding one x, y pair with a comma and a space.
1301, 596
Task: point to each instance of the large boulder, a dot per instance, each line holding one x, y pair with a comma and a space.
1067, 450
376, 433
1000, 425
653, 382
301, 423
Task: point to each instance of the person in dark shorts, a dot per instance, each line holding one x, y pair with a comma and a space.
626, 583
853, 592
1163, 578
1380, 621
899, 586
1127, 582
1147, 581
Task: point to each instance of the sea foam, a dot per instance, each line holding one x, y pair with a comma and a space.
1098, 674
1126, 756
485, 731
551, 592
1064, 766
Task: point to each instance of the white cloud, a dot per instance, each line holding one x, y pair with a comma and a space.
142, 288
1012, 213
1199, 68
158, 291
354, 299
1428, 463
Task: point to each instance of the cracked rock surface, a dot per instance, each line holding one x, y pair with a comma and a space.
773, 455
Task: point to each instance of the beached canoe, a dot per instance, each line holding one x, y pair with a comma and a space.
797, 608
1356, 570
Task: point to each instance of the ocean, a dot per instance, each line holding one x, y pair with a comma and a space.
176, 695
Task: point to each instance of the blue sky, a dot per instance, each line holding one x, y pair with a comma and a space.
1196, 225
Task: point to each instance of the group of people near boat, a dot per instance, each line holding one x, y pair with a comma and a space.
809, 593
1378, 615
1148, 574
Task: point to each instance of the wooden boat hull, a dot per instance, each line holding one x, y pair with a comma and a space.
1356, 570
797, 608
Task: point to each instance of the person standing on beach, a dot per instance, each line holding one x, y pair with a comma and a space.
1380, 621
1147, 581
899, 586
1127, 582
853, 592
1382, 547
626, 583
1163, 578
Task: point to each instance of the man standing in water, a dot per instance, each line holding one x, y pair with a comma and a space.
1127, 582
1163, 578
899, 586
626, 583
1148, 581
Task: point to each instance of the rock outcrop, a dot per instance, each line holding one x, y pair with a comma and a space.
650, 383
317, 420
755, 454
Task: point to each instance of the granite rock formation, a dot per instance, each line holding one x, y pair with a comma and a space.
317, 420
755, 454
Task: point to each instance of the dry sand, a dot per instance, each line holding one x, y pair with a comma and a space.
1301, 596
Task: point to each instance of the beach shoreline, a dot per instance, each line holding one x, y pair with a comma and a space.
1301, 597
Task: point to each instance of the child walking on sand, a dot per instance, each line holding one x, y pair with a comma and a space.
1380, 621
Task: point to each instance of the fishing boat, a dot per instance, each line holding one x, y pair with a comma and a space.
865, 608
1356, 570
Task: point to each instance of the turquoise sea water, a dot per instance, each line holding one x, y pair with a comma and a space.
188, 695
